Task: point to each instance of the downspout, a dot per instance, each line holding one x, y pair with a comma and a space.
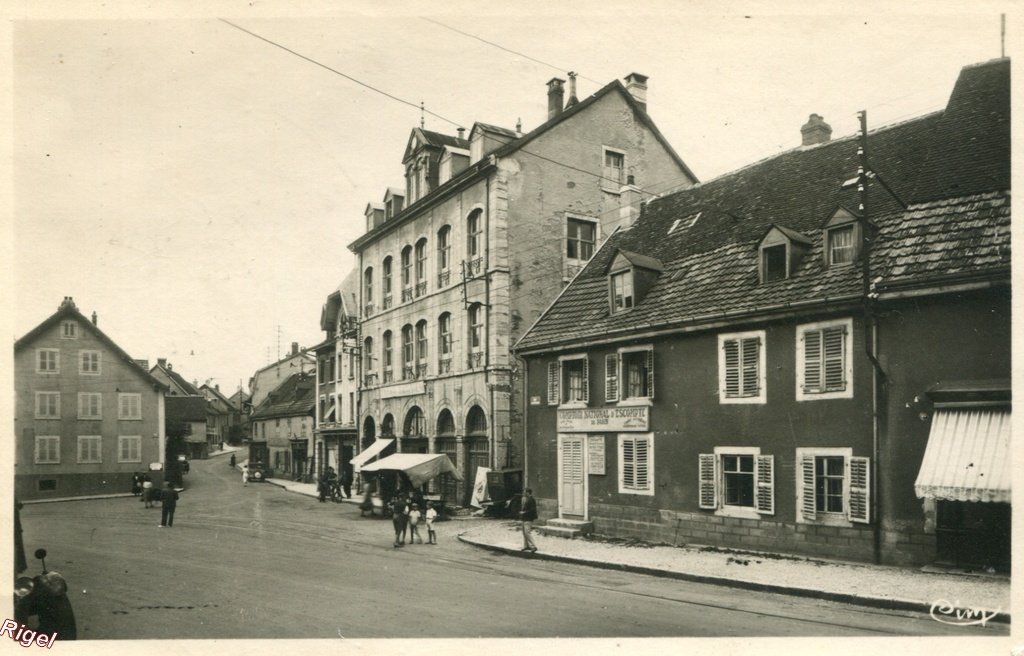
526, 420
492, 447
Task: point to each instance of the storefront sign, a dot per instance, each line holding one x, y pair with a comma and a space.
405, 389
592, 420
595, 454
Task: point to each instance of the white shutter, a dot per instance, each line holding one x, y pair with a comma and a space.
764, 474
751, 378
553, 383
643, 479
650, 373
860, 490
708, 481
732, 368
628, 464
586, 380
611, 377
807, 483
812, 361
834, 346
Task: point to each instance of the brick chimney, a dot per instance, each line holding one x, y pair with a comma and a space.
295, 348
636, 85
161, 362
556, 96
95, 319
629, 203
572, 91
815, 131
68, 302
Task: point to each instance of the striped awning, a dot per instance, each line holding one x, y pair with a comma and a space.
369, 452
967, 457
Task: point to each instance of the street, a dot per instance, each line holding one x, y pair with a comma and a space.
260, 562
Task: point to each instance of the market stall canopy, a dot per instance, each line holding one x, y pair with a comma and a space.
419, 467
967, 457
360, 458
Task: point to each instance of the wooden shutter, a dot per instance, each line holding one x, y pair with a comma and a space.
642, 464
751, 377
586, 380
860, 490
650, 373
554, 390
708, 481
807, 483
764, 474
732, 368
611, 377
834, 355
812, 360
628, 464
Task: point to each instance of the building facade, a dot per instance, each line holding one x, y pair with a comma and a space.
808, 355
455, 268
268, 378
87, 416
187, 415
282, 427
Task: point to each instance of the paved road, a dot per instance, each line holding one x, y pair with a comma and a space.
260, 562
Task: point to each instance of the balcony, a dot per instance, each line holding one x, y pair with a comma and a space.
406, 294
475, 266
421, 288
421, 370
476, 360
444, 366
444, 278
408, 373
386, 302
369, 380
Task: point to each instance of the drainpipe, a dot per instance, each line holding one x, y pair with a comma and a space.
526, 418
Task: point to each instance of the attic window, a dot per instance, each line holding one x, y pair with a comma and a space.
773, 263
780, 251
622, 290
841, 247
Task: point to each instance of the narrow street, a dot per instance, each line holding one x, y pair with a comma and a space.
259, 562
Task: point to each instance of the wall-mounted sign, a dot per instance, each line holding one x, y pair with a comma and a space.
595, 454
405, 389
534, 400
593, 420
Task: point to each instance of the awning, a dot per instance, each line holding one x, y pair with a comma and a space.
968, 456
360, 458
419, 467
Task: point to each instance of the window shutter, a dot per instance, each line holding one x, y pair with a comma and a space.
860, 490
586, 380
834, 356
807, 482
641, 464
553, 386
708, 480
732, 368
628, 464
751, 379
650, 373
611, 377
812, 361
765, 477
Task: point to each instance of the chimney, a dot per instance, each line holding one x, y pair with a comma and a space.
556, 93
94, 318
629, 203
461, 132
169, 367
216, 386
68, 302
815, 131
572, 91
295, 348
636, 85
161, 362
143, 363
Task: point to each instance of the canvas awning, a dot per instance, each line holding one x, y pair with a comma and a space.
369, 452
968, 456
419, 467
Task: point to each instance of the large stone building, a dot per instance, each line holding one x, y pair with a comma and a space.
487, 231
87, 416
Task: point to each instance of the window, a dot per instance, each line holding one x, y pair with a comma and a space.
421, 348
386, 283
476, 335
581, 237
444, 343
421, 267
614, 168
407, 273
129, 406
69, 329
47, 450
368, 290
622, 290
474, 230
90, 449
89, 363
47, 405
636, 464
415, 424
824, 368
386, 356
737, 481
833, 486
368, 356
90, 405
841, 246
575, 379
444, 252
629, 374
773, 263
47, 361
741, 368
129, 448
408, 354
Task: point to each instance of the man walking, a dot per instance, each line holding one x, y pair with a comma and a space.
528, 513
170, 502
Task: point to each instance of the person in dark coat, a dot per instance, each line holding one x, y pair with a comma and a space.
399, 517
169, 503
528, 513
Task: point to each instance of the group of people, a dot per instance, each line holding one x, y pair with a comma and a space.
406, 515
142, 485
335, 487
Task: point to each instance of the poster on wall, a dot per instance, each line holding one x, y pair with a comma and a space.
595, 454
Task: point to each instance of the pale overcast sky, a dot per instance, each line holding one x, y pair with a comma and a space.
197, 187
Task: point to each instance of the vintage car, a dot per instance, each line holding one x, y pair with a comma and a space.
257, 473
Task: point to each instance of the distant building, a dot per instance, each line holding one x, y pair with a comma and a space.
87, 416
487, 231
269, 377
222, 417
187, 415
282, 425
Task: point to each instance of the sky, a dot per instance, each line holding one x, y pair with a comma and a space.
197, 187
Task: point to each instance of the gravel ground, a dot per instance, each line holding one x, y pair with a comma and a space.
869, 581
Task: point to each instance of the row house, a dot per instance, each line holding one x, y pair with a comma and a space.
222, 418
87, 416
268, 378
485, 233
810, 354
282, 426
187, 414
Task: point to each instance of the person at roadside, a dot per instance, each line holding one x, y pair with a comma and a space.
169, 503
346, 481
528, 513
147, 491
245, 475
399, 519
430, 516
414, 524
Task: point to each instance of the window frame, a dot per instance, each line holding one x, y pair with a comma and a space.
477, 341
616, 386
55, 360
764, 262
801, 355
387, 266
474, 234
570, 221
444, 256
406, 272
608, 182
444, 343
387, 356
122, 397
48, 394
762, 396
53, 440
98, 358
622, 439
613, 296
840, 519
422, 336
82, 396
89, 441
853, 248
735, 510
67, 324
565, 382
408, 352
420, 266
122, 440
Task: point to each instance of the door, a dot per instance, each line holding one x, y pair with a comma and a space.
572, 475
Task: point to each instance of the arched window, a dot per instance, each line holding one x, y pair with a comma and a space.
421, 348
369, 432
368, 290
444, 253
414, 424
385, 283
368, 361
444, 343
445, 424
474, 239
389, 374
408, 353
387, 426
476, 422
476, 335
407, 274
421, 267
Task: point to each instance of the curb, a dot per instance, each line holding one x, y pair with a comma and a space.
873, 602
92, 497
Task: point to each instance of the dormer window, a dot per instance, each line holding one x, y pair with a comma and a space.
781, 250
842, 238
773, 263
630, 277
622, 290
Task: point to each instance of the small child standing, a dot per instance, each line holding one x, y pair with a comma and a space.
431, 516
414, 524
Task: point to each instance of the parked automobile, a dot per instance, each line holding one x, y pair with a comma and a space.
257, 473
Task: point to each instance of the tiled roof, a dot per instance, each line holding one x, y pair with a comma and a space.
494, 128
296, 396
711, 265
180, 381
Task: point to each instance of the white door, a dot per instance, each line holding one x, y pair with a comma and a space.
572, 475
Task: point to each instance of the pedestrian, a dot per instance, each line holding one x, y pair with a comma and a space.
169, 503
147, 491
136, 485
399, 519
232, 463
414, 524
346, 481
528, 513
430, 516
245, 475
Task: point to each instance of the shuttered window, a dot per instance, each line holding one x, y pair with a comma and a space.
553, 383
611, 377
741, 368
708, 479
575, 380
737, 481
636, 464
823, 365
834, 486
765, 475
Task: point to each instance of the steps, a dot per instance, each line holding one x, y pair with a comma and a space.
566, 528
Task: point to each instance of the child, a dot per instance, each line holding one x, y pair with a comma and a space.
399, 516
414, 524
431, 516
